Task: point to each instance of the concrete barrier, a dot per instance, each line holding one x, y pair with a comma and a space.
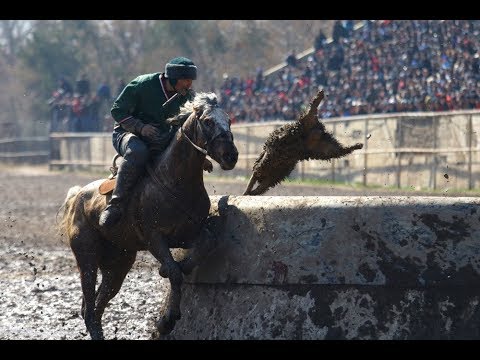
306, 267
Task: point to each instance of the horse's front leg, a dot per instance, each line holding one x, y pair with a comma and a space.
171, 313
203, 246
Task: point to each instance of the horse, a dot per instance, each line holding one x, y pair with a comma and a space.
168, 208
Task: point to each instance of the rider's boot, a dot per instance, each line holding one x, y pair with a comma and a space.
127, 177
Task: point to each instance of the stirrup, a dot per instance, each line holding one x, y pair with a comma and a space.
114, 167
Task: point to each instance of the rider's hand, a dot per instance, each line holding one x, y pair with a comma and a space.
150, 132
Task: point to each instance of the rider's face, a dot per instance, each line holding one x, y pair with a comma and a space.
183, 85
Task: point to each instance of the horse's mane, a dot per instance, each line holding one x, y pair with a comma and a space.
201, 100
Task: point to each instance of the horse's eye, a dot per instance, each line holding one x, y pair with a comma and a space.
208, 121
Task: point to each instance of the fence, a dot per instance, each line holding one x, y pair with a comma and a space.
419, 150
86, 150
32, 150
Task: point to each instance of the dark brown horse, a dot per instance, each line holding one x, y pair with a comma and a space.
168, 209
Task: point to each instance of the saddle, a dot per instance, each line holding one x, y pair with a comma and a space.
108, 184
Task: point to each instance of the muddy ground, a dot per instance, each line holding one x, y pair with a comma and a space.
40, 293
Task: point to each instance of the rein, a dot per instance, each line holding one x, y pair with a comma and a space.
203, 151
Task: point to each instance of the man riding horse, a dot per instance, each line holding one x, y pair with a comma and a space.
140, 112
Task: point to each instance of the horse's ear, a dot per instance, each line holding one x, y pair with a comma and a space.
198, 111
177, 120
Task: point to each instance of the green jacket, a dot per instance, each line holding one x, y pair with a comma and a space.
143, 98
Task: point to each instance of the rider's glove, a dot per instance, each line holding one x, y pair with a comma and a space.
133, 125
150, 133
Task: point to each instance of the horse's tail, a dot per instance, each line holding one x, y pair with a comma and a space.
64, 225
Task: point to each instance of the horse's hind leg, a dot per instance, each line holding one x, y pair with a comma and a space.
114, 269
171, 312
87, 253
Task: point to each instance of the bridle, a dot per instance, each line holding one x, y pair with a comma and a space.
199, 125
203, 151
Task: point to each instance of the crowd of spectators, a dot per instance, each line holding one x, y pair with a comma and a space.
384, 66
79, 109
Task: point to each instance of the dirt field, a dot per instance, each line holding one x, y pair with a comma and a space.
40, 292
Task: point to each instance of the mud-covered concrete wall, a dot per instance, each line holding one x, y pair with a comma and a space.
298, 267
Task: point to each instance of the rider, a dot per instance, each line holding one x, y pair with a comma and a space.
140, 112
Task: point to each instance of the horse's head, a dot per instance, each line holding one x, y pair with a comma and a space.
209, 129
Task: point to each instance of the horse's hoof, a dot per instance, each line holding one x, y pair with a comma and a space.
186, 267
95, 330
163, 272
165, 327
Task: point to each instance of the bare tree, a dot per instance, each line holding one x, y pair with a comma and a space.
13, 34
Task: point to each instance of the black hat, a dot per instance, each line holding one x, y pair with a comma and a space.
181, 68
